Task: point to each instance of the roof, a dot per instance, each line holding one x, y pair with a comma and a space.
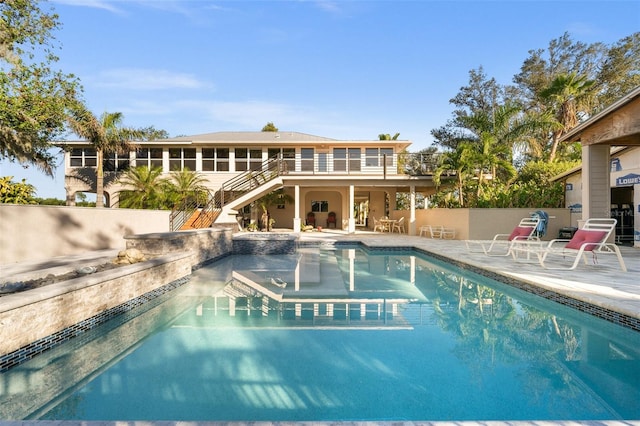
251, 137
574, 133
260, 138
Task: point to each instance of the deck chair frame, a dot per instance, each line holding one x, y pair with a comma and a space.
502, 244
601, 230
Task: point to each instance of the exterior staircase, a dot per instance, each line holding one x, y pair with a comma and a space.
222, 206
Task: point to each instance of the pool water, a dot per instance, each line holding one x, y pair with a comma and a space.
337, 334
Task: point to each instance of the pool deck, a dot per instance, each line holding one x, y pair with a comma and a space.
604, 285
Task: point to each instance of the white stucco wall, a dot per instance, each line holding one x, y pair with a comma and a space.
33, 232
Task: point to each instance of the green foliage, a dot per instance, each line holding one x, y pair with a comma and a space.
106, 134
540, 172
35, 97
150, 133
532, 188
522, 195
16, 192
555, 88
496, 127
147, 189
50, 202
186, 186
269, 127
388, 137
274, 198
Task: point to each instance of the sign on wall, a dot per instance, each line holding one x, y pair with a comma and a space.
615, 165
627, 180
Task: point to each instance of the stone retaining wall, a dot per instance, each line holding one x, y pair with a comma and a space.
29, 316
265, 243
205, 244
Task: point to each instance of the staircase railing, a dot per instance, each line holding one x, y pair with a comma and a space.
239, 185
188, 205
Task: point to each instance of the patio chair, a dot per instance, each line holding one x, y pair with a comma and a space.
502, 244
378, 226
592, 237
399, 225
311, 219
331, 218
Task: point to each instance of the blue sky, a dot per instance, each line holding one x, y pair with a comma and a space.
340, 69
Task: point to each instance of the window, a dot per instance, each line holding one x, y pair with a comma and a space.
340, 159
116, 162
306, 159
374, 156
248, 159
182, 158
354, 160
319, 206
287, 154
371, 157
83, 157
215, 159
150, 157
389, 153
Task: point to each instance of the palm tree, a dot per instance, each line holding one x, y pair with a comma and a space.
567, 94
388, 137
185, 184
271, 199
146, 189
461, 162
106, 134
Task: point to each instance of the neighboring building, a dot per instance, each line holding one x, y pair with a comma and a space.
353, 179
625, 192
604, 166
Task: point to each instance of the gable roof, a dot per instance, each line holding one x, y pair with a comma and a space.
576, 132
251, 137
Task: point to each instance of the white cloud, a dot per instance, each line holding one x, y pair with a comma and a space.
329, 6
146, 79
96, 4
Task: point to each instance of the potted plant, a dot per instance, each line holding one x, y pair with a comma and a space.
252, 227
273, 198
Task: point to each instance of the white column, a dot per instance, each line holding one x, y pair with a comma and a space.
636, 215
297, 222
596, 185
412, 214
352, 220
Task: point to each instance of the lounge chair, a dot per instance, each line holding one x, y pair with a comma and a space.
502, 244
592, 237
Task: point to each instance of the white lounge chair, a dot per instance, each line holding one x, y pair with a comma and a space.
592, 237
501, 244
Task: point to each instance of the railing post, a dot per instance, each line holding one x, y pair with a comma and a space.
384, 166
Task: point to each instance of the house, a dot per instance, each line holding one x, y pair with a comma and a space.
609, 177
354, 179
624, 179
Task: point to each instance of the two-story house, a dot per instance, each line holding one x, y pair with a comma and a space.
354, 180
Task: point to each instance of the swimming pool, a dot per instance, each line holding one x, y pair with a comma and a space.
336, 334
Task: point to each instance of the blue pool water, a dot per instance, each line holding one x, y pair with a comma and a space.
337, 334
